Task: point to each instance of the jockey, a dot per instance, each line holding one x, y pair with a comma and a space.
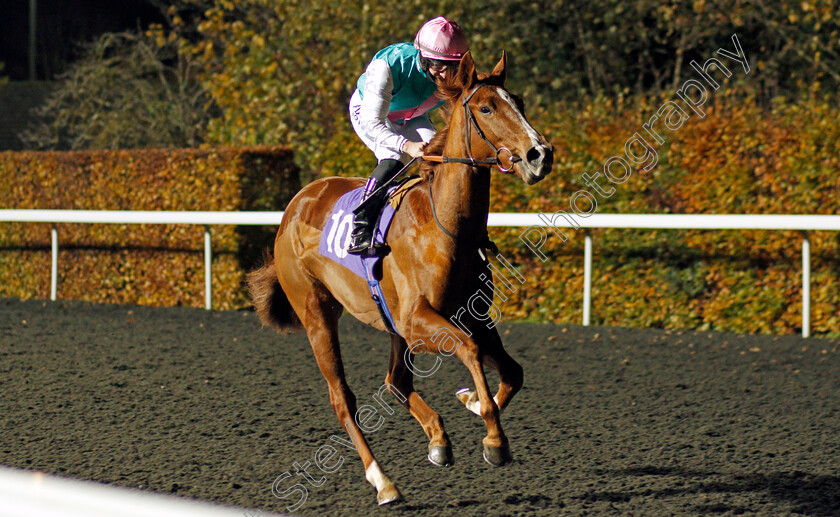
389, 109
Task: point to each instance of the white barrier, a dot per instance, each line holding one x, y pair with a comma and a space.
802, 223
205, 219
35, 494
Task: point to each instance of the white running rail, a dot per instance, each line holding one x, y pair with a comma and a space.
803, 223
35, 494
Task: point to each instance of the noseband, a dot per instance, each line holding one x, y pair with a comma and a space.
470, 160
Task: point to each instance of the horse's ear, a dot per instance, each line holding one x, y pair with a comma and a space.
499, 71
466, 76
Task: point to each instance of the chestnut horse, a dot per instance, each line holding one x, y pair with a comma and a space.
431, 271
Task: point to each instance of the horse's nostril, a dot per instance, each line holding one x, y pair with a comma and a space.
534, 155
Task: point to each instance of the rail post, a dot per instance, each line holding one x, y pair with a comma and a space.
208, 269
54, 263
806, 285
587, 277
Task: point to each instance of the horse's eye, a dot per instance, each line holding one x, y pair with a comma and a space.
485, 110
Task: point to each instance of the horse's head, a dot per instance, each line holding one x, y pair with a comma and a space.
494, 122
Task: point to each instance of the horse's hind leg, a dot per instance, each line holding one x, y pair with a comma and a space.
401, 379
321, 322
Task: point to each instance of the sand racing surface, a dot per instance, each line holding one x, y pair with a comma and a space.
610, 421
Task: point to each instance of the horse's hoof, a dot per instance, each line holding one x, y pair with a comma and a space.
388, 494
497, 456
465, 394
441, 455
469, 399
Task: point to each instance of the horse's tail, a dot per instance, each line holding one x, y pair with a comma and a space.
271, 303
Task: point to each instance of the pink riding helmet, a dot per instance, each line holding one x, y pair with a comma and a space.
441, 39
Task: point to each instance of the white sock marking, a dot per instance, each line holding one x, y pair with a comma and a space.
375, 476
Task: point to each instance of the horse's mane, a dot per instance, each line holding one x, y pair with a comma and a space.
447, 91
434, 148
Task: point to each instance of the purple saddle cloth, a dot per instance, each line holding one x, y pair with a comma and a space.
335, 239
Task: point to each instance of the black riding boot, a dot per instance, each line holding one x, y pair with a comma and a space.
368, 211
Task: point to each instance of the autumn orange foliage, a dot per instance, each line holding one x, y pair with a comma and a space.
139, 264
742, 158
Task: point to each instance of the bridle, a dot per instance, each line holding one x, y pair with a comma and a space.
470, 160
472, 122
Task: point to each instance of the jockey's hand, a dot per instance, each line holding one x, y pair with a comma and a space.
414, 149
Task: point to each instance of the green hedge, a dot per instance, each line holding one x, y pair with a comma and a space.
141, 264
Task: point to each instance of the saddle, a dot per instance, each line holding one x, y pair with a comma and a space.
401, 189
335, 239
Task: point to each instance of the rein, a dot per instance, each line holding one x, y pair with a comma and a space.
486, 243
434, 213
470, 160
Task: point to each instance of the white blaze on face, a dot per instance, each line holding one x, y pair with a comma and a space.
529, 129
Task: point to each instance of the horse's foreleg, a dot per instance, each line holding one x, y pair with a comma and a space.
321, 322
439, 335
496, 447
497, 358
511, 375
401, 378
